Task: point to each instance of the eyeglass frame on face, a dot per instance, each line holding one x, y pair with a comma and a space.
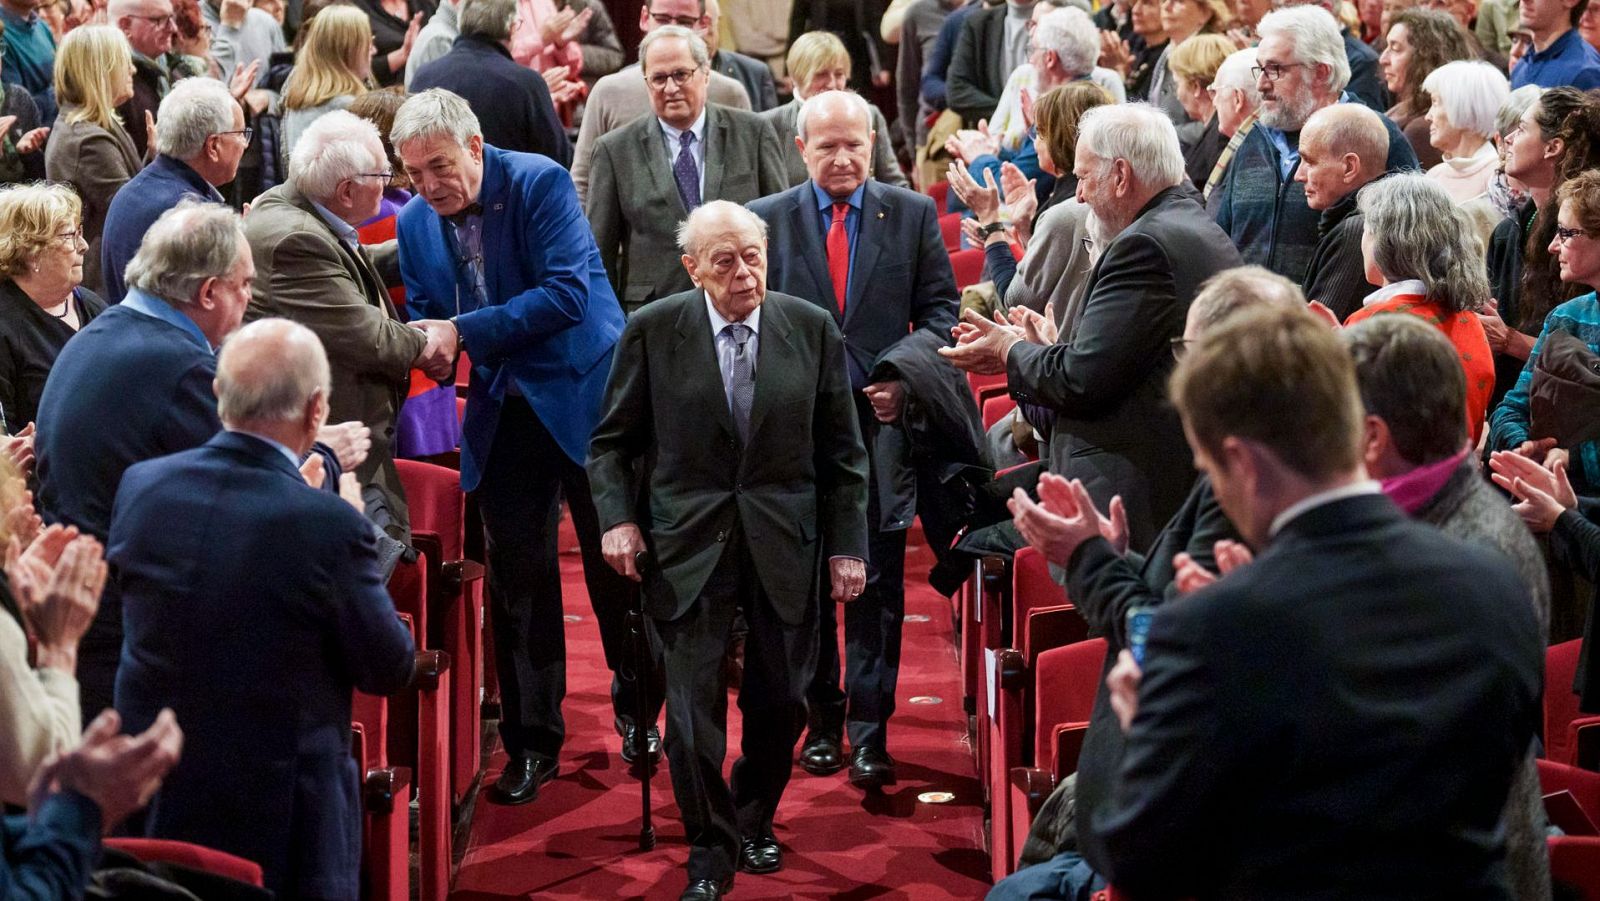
1563, 235
71, 237
690, 22
158, 21
246, 133
388, 177
1256, 72
679, 77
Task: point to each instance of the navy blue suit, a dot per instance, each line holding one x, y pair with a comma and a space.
900, 279
253, 606
512, 102
137, 205
547, 334
128, 387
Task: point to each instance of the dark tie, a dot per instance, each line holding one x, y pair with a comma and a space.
741, 377
839, 253
687, 173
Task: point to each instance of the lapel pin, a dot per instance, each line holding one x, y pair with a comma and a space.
499, 206
880, 214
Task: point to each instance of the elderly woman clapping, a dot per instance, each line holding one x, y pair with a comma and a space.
42, 302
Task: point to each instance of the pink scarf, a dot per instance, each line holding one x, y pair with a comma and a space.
1415, 488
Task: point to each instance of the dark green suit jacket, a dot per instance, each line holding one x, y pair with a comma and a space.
666, 455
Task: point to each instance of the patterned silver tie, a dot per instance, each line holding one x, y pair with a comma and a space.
741, 377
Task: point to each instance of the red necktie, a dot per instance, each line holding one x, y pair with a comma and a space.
839, 254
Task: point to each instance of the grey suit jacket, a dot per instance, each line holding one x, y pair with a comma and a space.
634, 207
305, 273
885, 167
95, 162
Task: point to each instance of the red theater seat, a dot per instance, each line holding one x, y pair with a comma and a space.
1575, 867
195, 857
1570, 737
968, 266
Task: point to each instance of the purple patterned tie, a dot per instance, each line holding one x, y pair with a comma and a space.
687, 173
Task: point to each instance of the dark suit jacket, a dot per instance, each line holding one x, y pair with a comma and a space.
512, 102
551, 320
633, 203
1108, 384
305, 273
977, 70
150, 84
666, 455
1104, 586
136, 206
253, 606
755, 75
1339, 719
900, 271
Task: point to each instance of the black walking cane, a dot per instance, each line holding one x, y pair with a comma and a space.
636, 668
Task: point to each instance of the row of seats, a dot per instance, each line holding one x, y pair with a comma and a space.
1030, 674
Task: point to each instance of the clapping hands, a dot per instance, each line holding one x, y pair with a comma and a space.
1190, 576
119, 773
1542, 494
1065, 517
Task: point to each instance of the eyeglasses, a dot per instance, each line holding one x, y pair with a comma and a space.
157, 21
679, 77
685, 21
71, 237
246, 133
386, 177
1563, 235
1273, 71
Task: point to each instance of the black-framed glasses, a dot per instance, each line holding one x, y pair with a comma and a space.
1567, 234
158, 21
386, 177
1273, 71
246, 133
685, 21
679, 77
71, 237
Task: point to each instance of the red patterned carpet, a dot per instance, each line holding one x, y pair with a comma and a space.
579, 839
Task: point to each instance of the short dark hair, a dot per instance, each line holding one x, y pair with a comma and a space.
1410, 376
1278, 377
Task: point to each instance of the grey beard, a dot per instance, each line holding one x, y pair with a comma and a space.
1289, 116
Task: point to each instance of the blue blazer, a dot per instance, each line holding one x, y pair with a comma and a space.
900, 275
552, 318
137, 205
253, 605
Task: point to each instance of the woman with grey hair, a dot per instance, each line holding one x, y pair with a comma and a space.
1421, 251
1466, 98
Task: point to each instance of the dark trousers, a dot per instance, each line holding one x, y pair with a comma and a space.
777, 659
520, 500
872, 628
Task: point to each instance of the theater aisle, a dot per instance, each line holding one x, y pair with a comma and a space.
579, 839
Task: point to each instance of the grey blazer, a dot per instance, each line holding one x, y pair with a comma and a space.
96, 162
885, 167
634, 207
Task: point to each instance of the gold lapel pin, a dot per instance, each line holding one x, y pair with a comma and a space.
880, 214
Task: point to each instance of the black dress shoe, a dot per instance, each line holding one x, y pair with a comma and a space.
821, 755
871, 768
760, 855
652, 737
706, 889
519, 782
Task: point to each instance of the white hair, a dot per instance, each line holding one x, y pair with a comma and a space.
697, 45
1235, 73
852, 99
339, 145
1139, 133
195, 109
1071, 35
269, 370
1471, 93
693, 231
434, 112
1314, 33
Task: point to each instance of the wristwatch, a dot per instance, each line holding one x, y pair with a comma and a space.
993, 228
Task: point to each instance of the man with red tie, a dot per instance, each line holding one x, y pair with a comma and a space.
871, 254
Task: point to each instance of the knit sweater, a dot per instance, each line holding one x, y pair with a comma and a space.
1337, 274
1263, 209
1509, 426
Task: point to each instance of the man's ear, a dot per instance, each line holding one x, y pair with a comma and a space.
691, 265
1352, 168
1375, 439
1238, 459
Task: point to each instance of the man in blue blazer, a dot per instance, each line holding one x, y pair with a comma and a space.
253, 605
200, 137
495, 249
871, 255
135, 384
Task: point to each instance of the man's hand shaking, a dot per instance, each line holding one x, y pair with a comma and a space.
438, 357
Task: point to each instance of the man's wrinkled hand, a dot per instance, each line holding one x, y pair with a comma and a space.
621, 545
349, 441
1123, 682
981, 344
350, 490
437, 359
887, 399
848, 578
120, 773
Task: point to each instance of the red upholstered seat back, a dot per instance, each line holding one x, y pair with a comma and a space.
1560, 703
437, 503
1066, 681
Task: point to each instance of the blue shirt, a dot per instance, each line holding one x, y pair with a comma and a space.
342, 229
852, 220
156, 308
1569, 60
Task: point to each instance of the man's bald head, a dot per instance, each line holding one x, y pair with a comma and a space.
835, 139
271, 372
725, 251
1342, 147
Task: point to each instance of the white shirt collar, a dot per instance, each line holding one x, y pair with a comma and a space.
1391, 291
699, 129
718, 323
1369, 486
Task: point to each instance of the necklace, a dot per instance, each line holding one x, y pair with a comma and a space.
66, 309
